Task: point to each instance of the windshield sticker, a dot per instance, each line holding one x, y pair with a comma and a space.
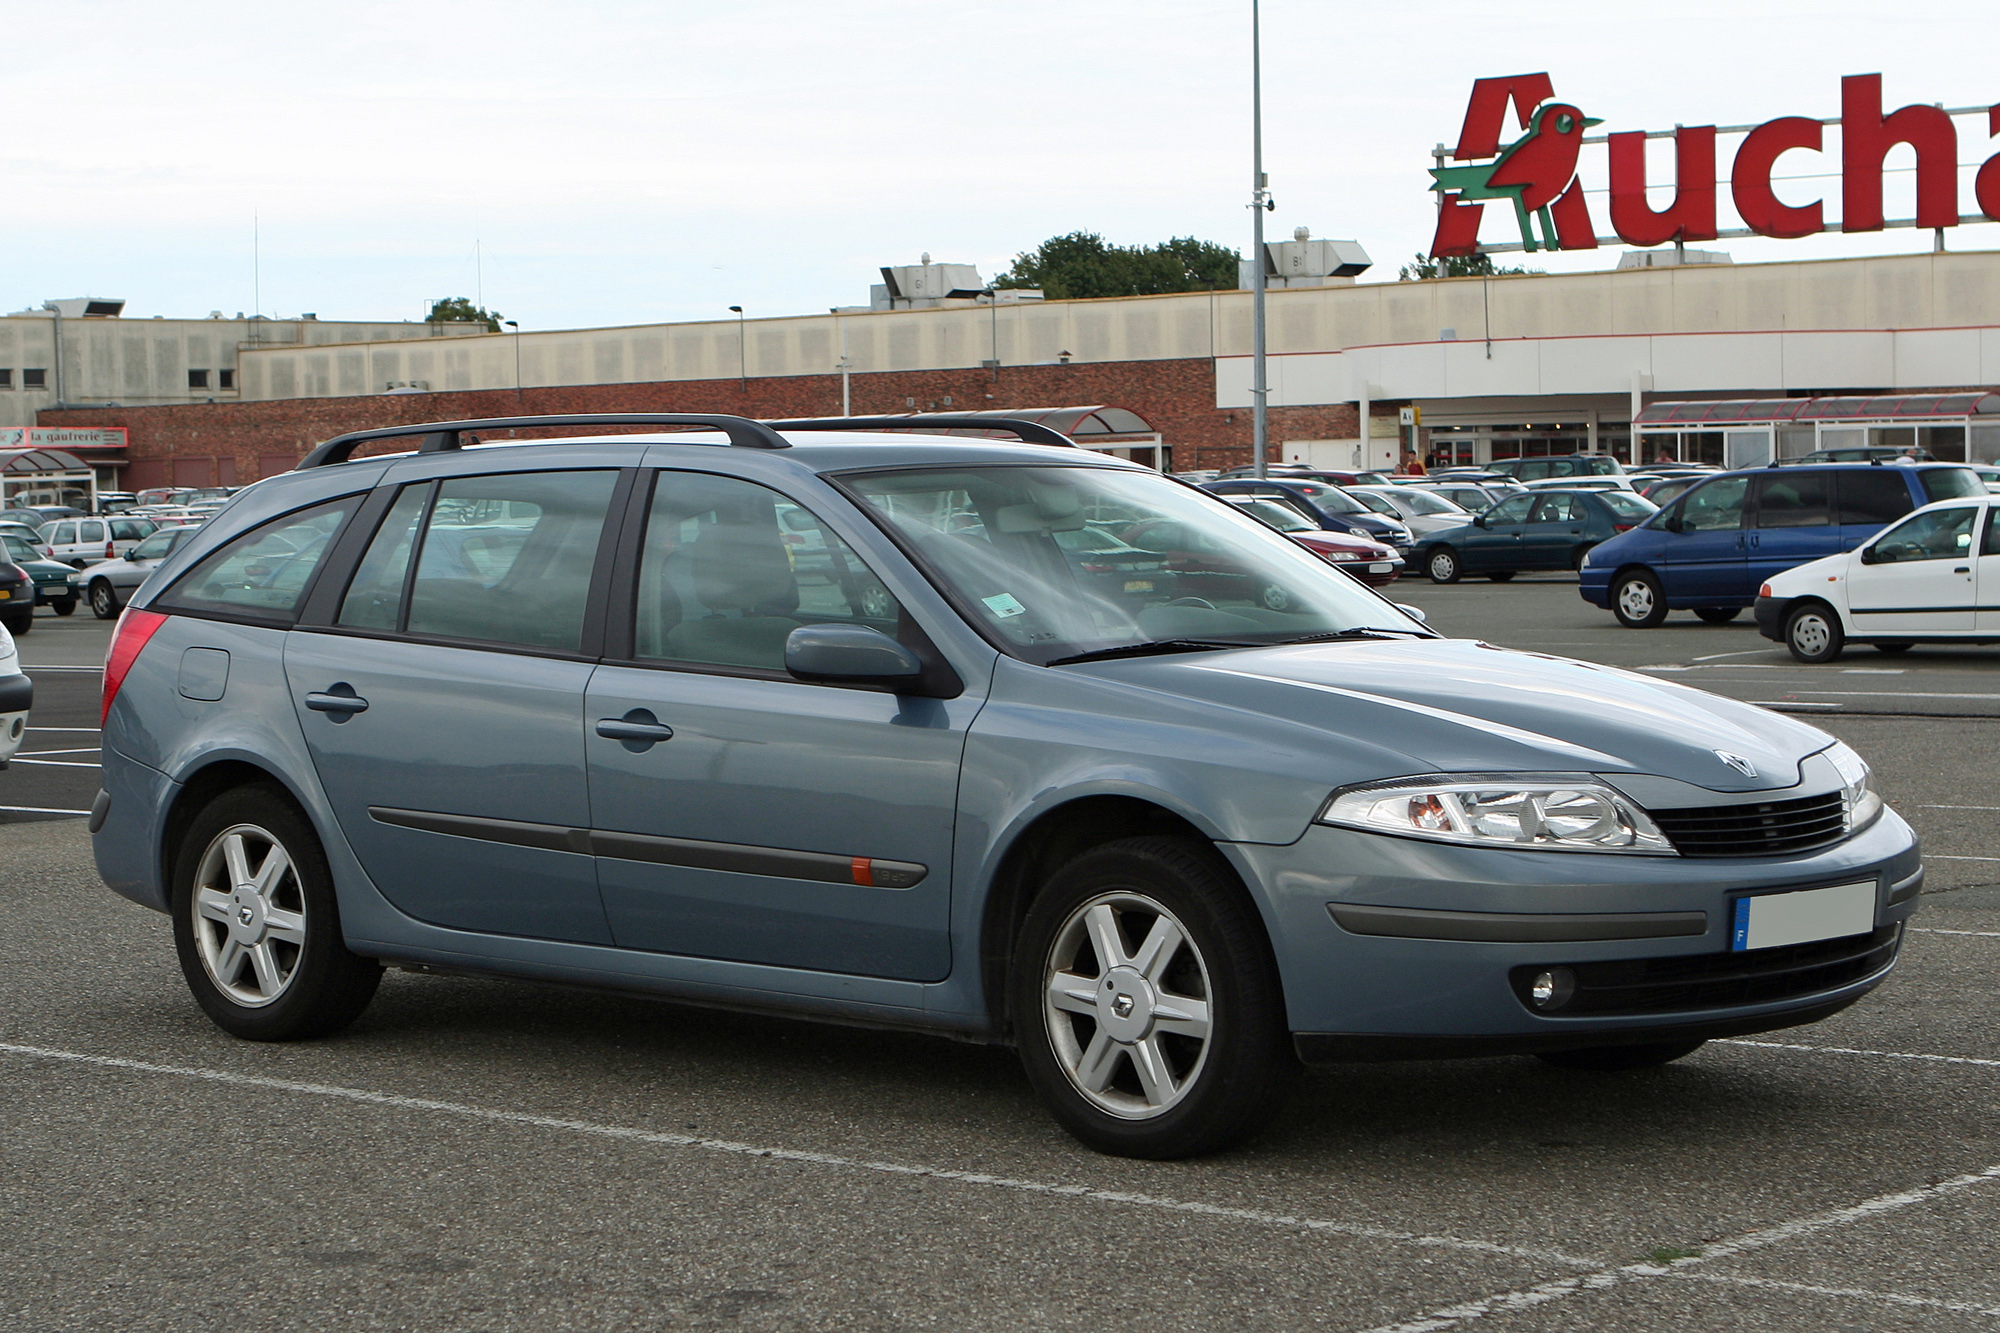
1003, 605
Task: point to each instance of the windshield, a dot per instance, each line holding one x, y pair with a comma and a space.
1378, 502
18, 548
1280, 516
1952, 483
1334, 500
992, 536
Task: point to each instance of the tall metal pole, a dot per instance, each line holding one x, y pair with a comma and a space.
1259, 202
742, 352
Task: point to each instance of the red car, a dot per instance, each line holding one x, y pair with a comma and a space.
1374, 563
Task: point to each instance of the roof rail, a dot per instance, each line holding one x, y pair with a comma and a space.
440, 436
1028, 432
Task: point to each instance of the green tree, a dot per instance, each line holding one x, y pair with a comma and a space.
1453, 266
1083, 265
460, 310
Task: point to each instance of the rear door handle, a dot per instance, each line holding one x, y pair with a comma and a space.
338, 702
638, 731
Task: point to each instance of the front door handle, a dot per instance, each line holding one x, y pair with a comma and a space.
339, 702
638, 731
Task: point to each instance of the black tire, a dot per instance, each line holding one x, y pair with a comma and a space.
1813, 633
1441, 565
1717, 615
1638, 600
1902, 646
1223, 1087
1617, 1059
1502, 575
319, 987
63, 606
104, 603
18, 620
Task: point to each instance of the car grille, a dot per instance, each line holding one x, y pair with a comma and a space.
1718, 980
1763, 828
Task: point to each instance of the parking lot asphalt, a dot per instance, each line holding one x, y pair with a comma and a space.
488, 1155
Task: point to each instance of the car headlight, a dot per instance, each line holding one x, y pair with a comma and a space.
1858, 791
1551, 812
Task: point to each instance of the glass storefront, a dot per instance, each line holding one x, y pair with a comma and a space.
1472, 445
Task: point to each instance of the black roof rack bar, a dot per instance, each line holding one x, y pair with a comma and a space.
443, 435
1029, 432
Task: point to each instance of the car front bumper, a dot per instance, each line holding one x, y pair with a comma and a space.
1770, 613
1351, 994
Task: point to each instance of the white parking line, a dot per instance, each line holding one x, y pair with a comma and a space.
1940, 856
36, 726
1508, 1301
1958, 807
1855, 1050
1898, 694
37, 810
1844, 1293
624, 1133
81, 749
55, 763
1939, 930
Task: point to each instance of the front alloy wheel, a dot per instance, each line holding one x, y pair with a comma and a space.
1146, 1001
1129, 1023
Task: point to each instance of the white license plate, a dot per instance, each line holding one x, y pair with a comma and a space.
1381, 567
1775, 919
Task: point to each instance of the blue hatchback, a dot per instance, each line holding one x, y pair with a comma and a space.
1709, 550
823, 719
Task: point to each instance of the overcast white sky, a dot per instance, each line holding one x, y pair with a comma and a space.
622, 162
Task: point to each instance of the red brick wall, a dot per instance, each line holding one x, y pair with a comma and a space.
245, 440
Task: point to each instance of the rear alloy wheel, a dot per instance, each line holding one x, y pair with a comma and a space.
103, 600
1638, 600
256, 925
1617, 1059
1717, 615
1146, 1002
1813, 633
1441, 565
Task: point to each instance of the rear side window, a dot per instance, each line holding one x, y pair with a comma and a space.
1561, 509
1793, 498
1876, 495
500, 559
264, 572
1951, 483
129, 529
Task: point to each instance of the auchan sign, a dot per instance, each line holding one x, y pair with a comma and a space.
1536, 175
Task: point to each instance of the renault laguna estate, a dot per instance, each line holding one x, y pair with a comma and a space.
824, 718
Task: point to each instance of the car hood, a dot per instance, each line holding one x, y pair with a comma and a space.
1461, 706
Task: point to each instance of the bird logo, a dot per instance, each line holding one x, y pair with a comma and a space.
1533, 172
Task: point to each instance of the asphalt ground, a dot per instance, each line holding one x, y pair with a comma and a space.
488, 1155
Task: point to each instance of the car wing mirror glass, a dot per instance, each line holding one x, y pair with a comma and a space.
1875, 555
850, 655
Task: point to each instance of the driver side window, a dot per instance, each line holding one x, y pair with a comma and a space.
1944, 534
1514, 510
1716, 507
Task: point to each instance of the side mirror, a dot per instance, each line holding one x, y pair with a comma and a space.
850, 655
1672, 522
1875, 555
1415, 613
1479, 520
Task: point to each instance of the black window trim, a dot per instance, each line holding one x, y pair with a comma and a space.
306, 594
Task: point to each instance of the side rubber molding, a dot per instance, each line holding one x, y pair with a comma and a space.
1414, 923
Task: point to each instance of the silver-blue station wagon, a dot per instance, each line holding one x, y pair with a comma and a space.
838, 719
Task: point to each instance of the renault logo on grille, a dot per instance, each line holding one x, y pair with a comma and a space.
1737, 762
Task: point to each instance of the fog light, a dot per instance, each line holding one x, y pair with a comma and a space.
1552, 989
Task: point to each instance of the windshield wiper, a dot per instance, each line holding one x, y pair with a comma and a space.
1153, 647
1356, 632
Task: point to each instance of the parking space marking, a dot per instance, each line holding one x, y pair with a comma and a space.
1939, 930
50, 666
37, 810
1958, 807
55, 763
1855, 1050
460, 1110
81, 749
1940, 856
1561, 1288
1844, 1293
36, 726
1898, 694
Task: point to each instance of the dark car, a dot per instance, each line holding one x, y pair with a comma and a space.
1557, 465
1374, 563
1709, 550
1110, 564
17, 598
1546, 529
51, 577
1329, 506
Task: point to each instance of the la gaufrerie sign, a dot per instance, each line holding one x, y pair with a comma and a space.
1535, 176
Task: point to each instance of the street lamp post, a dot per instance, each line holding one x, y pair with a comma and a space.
742, 355
515, 325
1260, 203
846, 367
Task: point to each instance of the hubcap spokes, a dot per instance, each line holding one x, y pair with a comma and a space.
1129, 1022
249, 915
1637, 599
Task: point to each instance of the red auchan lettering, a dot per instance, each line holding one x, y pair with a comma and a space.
1867, 135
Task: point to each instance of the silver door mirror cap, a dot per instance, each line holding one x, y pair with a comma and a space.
850, 655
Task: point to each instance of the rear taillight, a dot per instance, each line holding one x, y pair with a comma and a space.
135, 628
110, 551
1622, 527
